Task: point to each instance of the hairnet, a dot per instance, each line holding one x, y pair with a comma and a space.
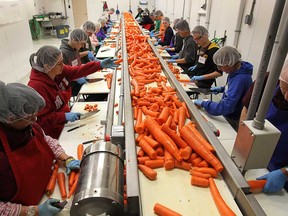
147, 11
78, 35
97, 26
112, 9
201, 30
158, 13
182, 25
18, 101
102, 20
166, 19
227, 56
46, 58
89, 26
284, 73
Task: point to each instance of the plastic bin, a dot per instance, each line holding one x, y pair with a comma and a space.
60, 30
66, 28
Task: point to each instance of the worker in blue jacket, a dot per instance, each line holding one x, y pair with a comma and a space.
239, 79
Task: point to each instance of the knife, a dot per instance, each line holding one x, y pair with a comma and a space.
104, 50
74, 128
94, 80
88, 114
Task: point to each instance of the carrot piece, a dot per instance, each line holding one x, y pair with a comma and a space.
199, 174
72, 178
192, 157
136, 86
182, 165
206, 170
164, 211
163, 115
176, 116
160, 151
140, 137
154, 107
118, 61
135, 112
177, 139
182, 118
199, 181
154, 163
147, 149
52, 181
152, 142
61, 184
256, 185
140, 153
169, 121
80, 149
196, 161
173, 125
148, 172
162, 137
185, 152
176, 101
168, 161
223, 208
203, 163
186, 110
139, 126
73, 188
200, 149
141, 160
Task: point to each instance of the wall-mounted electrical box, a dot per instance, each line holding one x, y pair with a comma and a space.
143, 2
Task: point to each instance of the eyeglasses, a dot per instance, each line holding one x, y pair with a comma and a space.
197, 39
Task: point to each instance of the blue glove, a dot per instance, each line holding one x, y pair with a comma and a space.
101, 43
192, 68
46, 209
197, 78
108, 63
156, 43
72, 116
175, 56
107, 35
90, 56
275, 181
216, 90
151, 34
81, 81
198, 102
167, 49
172, 60
72, 165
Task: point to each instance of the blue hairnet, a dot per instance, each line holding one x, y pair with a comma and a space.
78, 35
18, 101
45, 58
201, 30
182, 25
89, 26
227, 56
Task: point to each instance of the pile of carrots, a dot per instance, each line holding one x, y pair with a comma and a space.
60, 178
166, 136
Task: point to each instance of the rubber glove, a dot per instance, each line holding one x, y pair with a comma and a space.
90, 56
172, 60
81, 81
72, 116
216, 90
167, 49
197, 78
175, 56
198, 102
109, 63
151, 34
72, 165
192, 68
156, 44
275, 181
107, 35
46, 209
101, 43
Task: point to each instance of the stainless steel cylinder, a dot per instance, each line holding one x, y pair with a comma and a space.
101, 181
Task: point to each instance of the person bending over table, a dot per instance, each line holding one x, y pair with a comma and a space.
176, 43
51, 78
239, 79
168, 34
26, 153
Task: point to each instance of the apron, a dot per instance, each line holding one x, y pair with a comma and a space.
32, 168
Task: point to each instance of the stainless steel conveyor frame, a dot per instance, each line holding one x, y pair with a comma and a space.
232, 176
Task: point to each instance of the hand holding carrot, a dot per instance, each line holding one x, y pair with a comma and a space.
72, 164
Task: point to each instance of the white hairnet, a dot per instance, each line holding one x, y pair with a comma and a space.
158, 13
78, 35
112, 9
227, 56
97, 26
46, 58
89, 26
201, 30
166, 19
102, 20
18, 101
182, 25
284, 73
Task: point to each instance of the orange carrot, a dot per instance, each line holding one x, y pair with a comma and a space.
192, 157
177, 139
223, 208
163, 116
118, 61
152, 142
168, 160
162, 137
141, 160
183, 165
203, 163
256, 185
61, 184
139, 126
169, 121
182, 118
206, 170
140, 153
160, 151
147, 149
164, 211
186, 110
199, 181
199, 174
200, 149
196, 161
73, 188
80, 149
52, 181
148, 172
154, 163
176, 116
185, 152
71, 178
135, 112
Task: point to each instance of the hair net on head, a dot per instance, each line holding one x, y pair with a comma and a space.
78, 35
46, 58
147, 11
166, 19
89, 26
182, 25
97, 26
18, 101
284, 73
112, 9
227, 56
201, 30
102, 20
158, 13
